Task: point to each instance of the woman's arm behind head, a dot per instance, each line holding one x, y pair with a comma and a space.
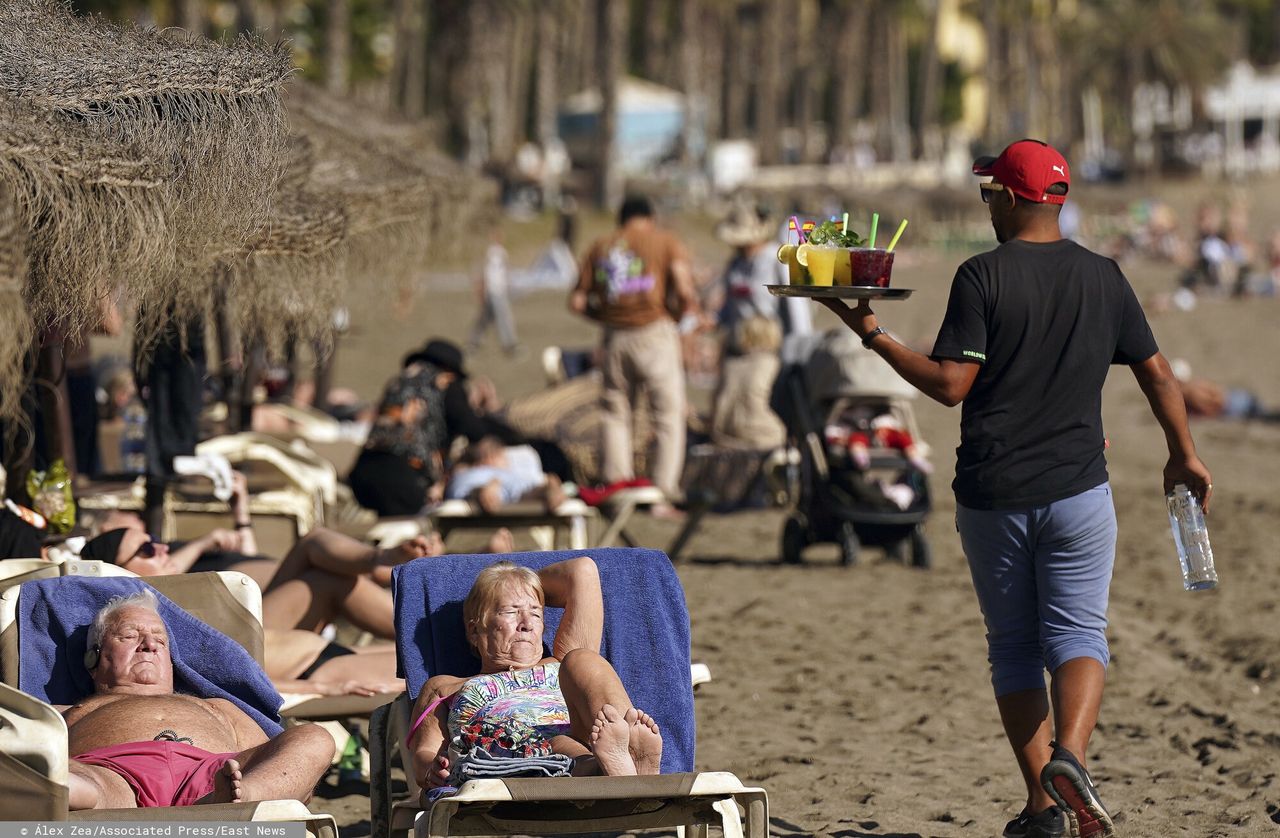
574, 585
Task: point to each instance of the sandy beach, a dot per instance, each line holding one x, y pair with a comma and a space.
860, 697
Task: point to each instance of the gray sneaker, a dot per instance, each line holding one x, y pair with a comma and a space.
1066, 781
1048, 824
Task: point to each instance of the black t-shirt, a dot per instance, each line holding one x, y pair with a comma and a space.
1045, 321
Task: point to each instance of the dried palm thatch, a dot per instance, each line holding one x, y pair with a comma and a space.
212, 109
94, 211
287, 281
402, 204
15, 320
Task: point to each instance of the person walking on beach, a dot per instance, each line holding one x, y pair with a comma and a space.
1030, 331
623, 283
495, 302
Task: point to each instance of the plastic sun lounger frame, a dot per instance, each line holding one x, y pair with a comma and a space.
690, 801
33, 735
571, 519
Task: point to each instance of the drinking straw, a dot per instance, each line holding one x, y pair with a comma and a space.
844, 223
795, 225
875, 222
898, 234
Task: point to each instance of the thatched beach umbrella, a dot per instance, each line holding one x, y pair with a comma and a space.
93, 208
211, 110
15, 321
403, 202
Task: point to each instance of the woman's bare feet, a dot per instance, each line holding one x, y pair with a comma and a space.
645, 744
228, 785
610, 739
502, 541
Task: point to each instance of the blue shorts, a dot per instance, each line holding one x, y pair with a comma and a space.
1042, 576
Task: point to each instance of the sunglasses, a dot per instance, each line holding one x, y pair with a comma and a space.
985, 190
146, 551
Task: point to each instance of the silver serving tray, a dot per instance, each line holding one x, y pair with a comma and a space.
840, 292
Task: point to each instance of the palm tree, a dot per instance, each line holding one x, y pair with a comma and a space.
337, 46
611, 26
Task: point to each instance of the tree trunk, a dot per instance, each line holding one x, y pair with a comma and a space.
611, 24
246, 16
769, 83
687, 56
409, 61
500, 39
337, 46
928, 131
654, 43
849, 64
737, 49
995, 73
191, 16
546, 96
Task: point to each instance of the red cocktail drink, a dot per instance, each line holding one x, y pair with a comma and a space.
871, 266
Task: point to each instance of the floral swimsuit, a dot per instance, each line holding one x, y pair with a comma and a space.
510, 713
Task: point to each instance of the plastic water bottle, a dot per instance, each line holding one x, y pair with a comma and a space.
1191, 537
351, 763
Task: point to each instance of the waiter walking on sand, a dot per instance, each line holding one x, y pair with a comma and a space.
1030, 331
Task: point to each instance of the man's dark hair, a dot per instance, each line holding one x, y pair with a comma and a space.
635, 206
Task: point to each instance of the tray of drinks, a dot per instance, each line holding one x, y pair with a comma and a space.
840, 292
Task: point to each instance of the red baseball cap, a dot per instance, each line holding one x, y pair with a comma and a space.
1028, 168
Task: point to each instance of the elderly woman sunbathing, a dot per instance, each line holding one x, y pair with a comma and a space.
524, 704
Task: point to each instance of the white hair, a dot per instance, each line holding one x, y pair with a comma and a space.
141, 599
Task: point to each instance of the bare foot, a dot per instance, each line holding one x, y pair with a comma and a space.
407, 551
645, 743
610, 735
553, 493
502, 541
489, 497
228, 786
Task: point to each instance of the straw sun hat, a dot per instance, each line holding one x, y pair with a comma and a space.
746, 224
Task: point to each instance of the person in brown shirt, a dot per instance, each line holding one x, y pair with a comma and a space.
624, 283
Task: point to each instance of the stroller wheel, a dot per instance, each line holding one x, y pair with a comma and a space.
849, 544
794, 540
921, 554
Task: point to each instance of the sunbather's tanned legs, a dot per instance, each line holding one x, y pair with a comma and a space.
601, 714
317, 597
285, 768
96, 787
337, 553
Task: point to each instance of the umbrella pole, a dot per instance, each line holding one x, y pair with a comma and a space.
55, 405
229, 366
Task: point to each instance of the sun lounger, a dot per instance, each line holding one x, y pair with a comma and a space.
34, 734
646, 639
568, 524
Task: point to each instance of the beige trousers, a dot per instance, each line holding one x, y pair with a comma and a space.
644, 358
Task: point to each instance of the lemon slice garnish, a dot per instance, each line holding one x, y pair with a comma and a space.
802, 254
784, 253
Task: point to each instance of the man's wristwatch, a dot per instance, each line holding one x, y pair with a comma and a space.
871, 335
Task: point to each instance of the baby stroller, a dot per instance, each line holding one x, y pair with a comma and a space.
861, 477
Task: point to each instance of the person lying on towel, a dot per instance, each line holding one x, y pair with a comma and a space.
567, 714
136, 743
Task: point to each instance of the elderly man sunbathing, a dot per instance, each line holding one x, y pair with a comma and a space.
136, 743
524, 704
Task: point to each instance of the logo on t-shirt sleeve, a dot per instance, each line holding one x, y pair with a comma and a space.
972, 353
622, 273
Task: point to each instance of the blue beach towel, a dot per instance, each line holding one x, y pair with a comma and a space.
54, 616
646, 630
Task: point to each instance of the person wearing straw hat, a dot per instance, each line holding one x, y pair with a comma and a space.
624, 283
1031, 330
749, 231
